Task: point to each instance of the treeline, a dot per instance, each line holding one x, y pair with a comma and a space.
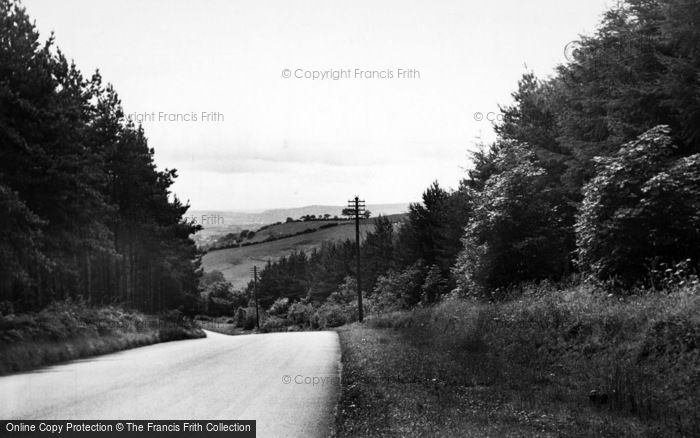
84, 213
595, 172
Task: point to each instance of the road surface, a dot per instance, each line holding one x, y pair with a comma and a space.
288, 382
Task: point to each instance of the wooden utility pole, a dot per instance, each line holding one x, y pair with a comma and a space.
255, 294
359, 207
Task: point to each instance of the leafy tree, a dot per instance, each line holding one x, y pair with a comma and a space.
348, 212
210, 278
636, 72
515, 233
642, 209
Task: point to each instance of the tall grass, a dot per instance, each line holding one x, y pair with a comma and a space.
69, 330
636, 357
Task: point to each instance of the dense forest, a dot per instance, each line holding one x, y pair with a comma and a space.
595, 173
84, 212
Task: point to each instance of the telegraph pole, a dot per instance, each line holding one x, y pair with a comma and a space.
255, 294
359, 206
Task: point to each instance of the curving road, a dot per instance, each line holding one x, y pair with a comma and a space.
288, 382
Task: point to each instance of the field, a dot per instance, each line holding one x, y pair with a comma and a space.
291, 228
236, 263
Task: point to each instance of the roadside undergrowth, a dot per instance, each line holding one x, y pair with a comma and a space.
552, 362
66, 331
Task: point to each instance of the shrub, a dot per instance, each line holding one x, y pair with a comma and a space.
69, 330
279, 307
250, 320
330, 315
172, 316
345, 294
300, 313
245, 318
273, 323
399, 290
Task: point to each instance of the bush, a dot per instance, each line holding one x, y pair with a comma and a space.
279, 307
249, 321
300, 313
399, 290
345, 294
329, 316
640, 211
273, 324
172, 316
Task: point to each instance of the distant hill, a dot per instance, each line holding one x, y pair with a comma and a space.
215, 218
220, 223
278, 230
236, 263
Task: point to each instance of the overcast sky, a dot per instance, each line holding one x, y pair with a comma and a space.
287, 142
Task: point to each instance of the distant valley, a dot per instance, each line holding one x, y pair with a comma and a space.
216, 223
272, 242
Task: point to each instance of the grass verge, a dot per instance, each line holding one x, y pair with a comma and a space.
67, 331
551, 363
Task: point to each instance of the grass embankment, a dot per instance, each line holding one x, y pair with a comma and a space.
557, 363
67, 331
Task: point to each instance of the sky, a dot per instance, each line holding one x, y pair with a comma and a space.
240, 95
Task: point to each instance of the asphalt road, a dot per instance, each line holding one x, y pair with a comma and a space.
288, 382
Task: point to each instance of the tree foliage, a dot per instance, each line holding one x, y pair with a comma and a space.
516, 232
641, 210
582, 133
85, 212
